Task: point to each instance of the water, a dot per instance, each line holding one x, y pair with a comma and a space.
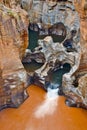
55, 77
56, 38
50, 104
61, 117
33, 39
34, 36
31, 67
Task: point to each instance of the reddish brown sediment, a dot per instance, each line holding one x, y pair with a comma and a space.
23, 118
14, 40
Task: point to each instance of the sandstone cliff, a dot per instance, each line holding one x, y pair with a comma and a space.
13, 42
79, 95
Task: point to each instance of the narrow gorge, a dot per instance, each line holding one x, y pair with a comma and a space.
43, 42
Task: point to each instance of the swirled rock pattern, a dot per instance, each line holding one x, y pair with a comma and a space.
59, 18
78, 96
47, 14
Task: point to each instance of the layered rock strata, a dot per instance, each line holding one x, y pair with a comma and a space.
13, 43
78, 96
45, 13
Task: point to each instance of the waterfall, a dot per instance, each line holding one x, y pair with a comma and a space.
49, 105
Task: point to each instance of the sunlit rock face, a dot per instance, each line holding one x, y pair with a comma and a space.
13, 43
10, 3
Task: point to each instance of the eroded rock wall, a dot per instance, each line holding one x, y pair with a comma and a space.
13, 43
78, 94
46, 13
49, 12
56, 18
81, 7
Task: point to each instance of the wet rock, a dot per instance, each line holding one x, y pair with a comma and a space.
61, 19
46, 14
55, 55
52, 52
71, 103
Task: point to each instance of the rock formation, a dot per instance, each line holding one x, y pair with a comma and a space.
48, 18
56, 54
46, 15
78, 96
13, 43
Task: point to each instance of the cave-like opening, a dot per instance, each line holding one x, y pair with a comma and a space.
56, 31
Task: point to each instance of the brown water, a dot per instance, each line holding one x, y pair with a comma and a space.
60, 118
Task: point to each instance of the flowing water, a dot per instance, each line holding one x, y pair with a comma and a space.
50, 103
57, 116
56, 76
44, 111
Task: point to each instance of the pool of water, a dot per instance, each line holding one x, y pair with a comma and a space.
55, 77
56, 38
31, 67
34, 36
33, 39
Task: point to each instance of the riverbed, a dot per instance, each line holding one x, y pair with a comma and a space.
60, 118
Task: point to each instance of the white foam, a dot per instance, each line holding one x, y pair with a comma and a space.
50, 104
